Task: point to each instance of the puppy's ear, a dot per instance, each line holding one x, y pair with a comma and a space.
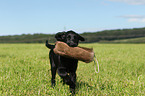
81, 38
60, 36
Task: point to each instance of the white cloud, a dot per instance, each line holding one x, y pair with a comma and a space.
137, 20
132, 2
134, 18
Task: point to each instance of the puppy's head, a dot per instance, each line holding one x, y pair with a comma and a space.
72, 38
60, 36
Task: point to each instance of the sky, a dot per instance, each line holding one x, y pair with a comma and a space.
52, 16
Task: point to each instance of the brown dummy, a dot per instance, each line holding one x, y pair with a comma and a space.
79, 53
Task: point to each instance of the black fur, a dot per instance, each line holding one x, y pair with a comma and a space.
66, 67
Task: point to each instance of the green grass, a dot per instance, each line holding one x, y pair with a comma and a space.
132, 40
25, 70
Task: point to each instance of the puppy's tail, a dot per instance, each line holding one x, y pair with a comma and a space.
49, 45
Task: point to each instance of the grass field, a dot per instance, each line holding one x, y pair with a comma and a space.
25, 70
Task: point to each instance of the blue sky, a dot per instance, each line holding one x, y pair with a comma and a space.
52, 16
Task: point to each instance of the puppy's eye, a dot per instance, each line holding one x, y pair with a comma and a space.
69, 37
75, 37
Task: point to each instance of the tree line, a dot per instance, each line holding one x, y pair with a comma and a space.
105, 35
118, 34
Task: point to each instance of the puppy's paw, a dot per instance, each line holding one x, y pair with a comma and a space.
72, 91
53, 83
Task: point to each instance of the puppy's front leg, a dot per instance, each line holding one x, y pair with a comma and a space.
68, 79
73, 79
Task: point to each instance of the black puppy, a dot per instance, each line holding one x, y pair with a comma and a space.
66, 66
